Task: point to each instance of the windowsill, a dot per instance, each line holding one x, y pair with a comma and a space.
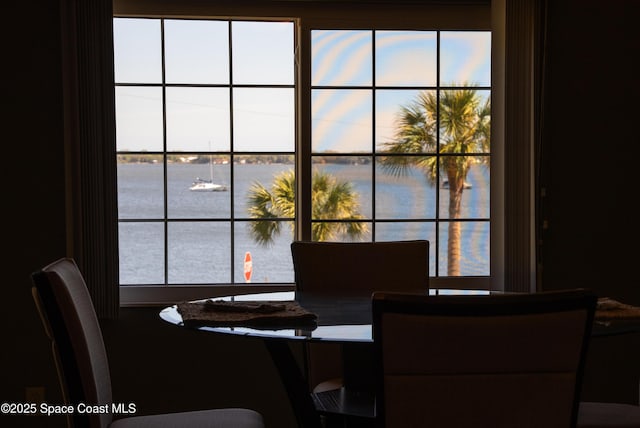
152, 295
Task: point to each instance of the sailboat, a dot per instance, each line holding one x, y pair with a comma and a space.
203, 185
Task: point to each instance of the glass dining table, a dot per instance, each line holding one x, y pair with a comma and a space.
345, 319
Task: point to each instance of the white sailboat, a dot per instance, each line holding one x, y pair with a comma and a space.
203, 185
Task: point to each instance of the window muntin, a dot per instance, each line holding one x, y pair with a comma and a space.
346, 92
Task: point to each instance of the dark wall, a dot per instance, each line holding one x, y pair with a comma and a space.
33, 230
591, 117
590, 172
591, 113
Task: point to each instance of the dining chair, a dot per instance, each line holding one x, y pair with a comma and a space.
354, 268
66, 309
498, 361
345, 269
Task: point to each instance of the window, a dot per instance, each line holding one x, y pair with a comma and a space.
204, 113
399, 115
207, 102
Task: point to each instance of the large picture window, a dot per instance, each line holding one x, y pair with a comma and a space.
212, 145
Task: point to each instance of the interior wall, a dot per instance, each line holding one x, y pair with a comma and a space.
33, 194
589, 171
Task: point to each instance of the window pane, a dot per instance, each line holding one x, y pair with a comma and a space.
264, 186
271, 262
198, 119
263, 53
406, 58
264, 119
465, 58
137, 50
196, 51
198, 186
341, 188
341, 121
199, 252
341, 58
475, 199
405, 121
138, 118
474, 258
140, 187
404, 192
465, 121
141, 247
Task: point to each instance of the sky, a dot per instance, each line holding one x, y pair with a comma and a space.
197, 52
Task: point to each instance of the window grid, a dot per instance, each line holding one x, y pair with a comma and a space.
233, 217
233, 155
375, 153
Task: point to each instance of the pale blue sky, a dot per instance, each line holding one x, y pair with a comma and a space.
196, 52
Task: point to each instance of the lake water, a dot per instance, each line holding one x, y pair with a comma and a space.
199, 231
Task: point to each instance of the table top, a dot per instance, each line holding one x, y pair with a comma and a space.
344, 318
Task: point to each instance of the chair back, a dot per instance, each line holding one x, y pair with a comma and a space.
67, 312
498, 361
361, 267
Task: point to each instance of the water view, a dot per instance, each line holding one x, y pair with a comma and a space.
203, 227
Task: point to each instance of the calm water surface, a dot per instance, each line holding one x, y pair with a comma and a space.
199, 233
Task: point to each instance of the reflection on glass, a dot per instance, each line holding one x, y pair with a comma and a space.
137, 50
472, 239
341, 58
269, 262
263, 52
264, 119
198, 119
341, 121
196, 51
403, 190
465, 58
198, 186
140, 187
141, 258
406, 58
138, 118
198, 252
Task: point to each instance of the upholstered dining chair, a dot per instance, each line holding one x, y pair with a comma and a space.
354, 268
70, 321
499, 361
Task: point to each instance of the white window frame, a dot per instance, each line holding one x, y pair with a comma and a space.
352, 15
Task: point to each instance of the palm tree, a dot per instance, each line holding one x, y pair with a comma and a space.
464, 128
331, 199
